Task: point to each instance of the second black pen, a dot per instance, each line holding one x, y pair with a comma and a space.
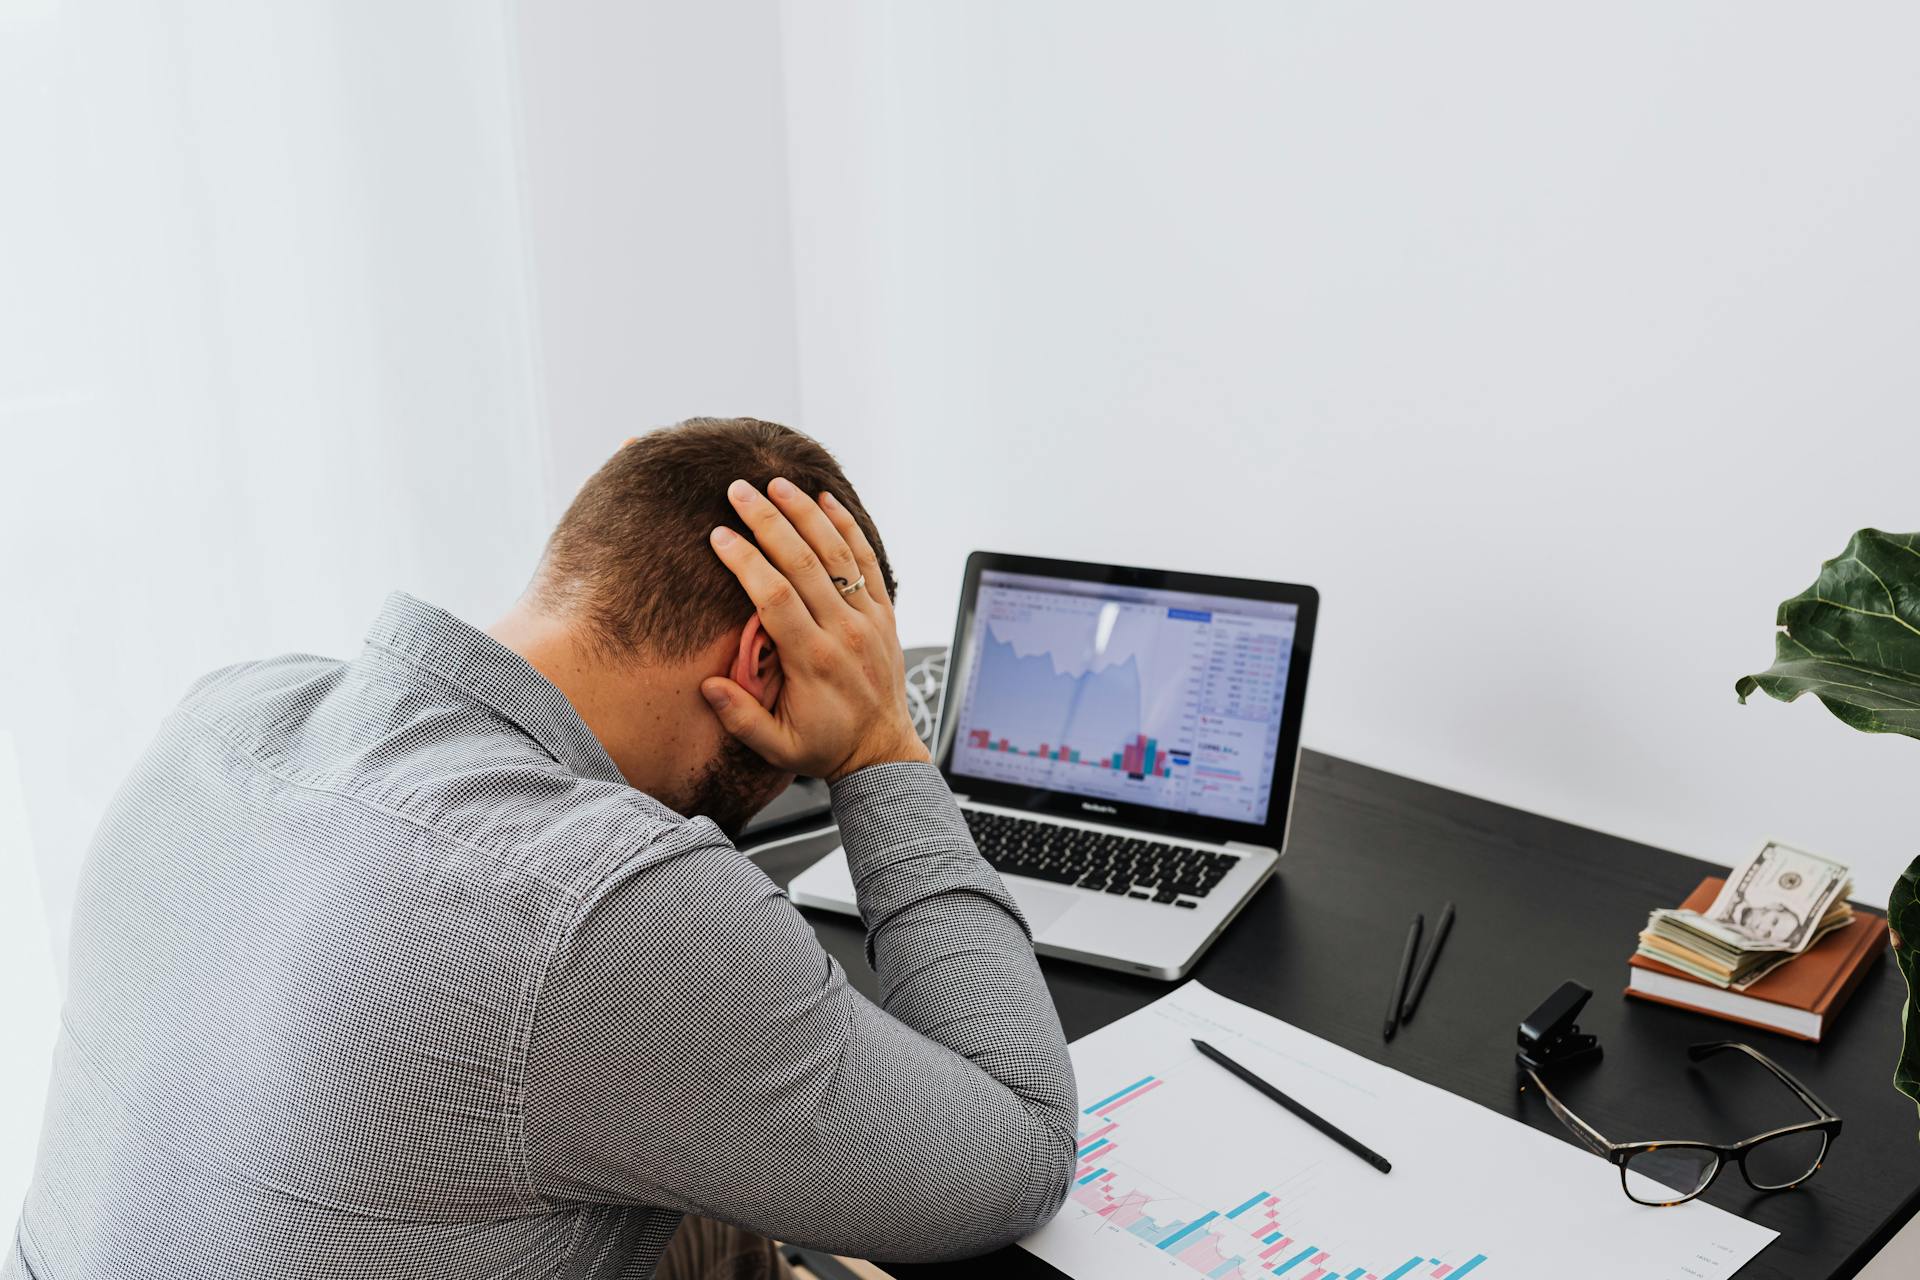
1406, 972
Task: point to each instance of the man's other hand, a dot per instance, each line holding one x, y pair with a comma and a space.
843, 694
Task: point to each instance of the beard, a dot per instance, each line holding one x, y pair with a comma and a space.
735, 785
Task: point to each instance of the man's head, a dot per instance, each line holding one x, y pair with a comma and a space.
631, 589
630, 558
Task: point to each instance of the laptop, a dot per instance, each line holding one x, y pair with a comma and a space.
1123, 744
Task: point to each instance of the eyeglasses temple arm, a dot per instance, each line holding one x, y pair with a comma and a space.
1806, 1095
1594, 1139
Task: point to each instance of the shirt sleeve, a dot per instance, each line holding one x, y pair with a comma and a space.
694, 1048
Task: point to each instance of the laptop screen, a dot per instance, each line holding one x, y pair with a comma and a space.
1170, 699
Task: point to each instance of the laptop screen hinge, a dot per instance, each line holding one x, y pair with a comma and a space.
1243, 847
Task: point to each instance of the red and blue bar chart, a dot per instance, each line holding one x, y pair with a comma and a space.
1255, 1238
1141, 757
1184, 1171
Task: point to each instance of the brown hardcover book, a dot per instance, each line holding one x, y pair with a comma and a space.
1796, 999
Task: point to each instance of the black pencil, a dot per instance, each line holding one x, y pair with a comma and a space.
1406, 971
1432, 954
1345, 1139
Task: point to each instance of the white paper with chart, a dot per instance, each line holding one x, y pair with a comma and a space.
1187, 1172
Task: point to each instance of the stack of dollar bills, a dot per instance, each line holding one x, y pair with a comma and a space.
1774, 907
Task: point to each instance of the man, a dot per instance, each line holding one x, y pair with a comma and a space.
440, 961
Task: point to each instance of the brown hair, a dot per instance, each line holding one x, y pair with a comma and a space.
631, 557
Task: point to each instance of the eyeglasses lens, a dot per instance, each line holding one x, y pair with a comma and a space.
1785, 1160
1663, 1175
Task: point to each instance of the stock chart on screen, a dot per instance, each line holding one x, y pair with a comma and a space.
1160, 698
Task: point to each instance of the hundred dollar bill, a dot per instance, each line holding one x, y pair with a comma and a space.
1776, 899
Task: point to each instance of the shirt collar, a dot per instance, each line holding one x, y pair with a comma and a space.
483, 669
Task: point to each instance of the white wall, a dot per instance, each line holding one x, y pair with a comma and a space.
657, 197
30, 997
264, 355
1515, 332
1556, 348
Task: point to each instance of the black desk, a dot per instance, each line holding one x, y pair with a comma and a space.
1539, 901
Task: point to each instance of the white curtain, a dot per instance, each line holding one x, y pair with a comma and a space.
265, 354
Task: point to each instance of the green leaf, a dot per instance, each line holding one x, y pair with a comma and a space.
1852, 640
1903, 914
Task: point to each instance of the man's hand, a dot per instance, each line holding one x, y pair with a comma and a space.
843, 693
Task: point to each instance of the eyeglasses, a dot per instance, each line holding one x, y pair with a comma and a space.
1669, 1173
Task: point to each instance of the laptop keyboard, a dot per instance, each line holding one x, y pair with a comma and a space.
1106, 861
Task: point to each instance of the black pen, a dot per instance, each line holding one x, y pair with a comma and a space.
1412, 1001
1346, 1140
1406, 971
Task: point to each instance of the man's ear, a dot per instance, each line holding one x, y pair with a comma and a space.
756, 664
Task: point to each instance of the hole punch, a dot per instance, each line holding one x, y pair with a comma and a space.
1549, 1037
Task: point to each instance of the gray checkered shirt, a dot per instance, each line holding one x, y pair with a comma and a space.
379, 969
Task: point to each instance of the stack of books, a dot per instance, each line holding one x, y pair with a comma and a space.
1796, 997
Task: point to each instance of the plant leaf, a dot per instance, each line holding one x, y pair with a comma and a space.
1852, 639
1903, 914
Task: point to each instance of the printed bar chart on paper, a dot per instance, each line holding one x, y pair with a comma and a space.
1249, 1238
1179, 1164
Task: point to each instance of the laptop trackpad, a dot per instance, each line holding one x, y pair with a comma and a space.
1043, 906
